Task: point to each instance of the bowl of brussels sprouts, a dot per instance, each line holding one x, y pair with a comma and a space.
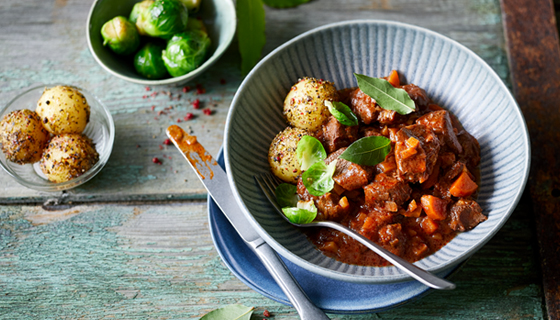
159, 42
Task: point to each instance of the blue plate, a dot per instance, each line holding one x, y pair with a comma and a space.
347, 298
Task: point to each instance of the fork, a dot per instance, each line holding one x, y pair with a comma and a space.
268, 183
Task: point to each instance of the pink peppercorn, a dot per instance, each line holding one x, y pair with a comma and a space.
196, 104
148, 88
207, 111
156, 160
167, 142
189, 116
186, 89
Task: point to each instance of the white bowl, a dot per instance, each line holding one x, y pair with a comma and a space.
218, 16
452, 75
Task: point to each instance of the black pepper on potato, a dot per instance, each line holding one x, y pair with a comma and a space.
68, 156
23, 137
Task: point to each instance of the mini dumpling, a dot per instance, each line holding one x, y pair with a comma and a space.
22, 136
68, 156
282, 154
304, 106
63, 109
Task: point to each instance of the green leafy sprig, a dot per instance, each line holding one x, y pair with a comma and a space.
251, 28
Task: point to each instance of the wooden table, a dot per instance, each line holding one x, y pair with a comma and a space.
134, 241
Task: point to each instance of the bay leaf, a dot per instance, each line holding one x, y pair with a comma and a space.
386, 96
367, 151
230, 312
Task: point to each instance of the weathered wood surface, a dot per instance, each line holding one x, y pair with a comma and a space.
534, 55
158, 262
44, 42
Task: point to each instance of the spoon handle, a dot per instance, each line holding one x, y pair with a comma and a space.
305, 308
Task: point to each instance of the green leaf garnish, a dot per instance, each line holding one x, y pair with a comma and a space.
284, 3
286, 195
305, 212
250, 32
318, 178
387, 96
367, 151
342, 113
309, 151
230, 312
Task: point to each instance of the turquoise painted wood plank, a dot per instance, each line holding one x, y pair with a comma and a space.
44, 42
159, 262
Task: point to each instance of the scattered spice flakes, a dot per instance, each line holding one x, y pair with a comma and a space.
148, 88
160, 147
186, 89
196, 104
207, 111
189, 116
266, 313
155, 93
156, 160
179, 120
200, 89
167, 142
153, 108
144, 96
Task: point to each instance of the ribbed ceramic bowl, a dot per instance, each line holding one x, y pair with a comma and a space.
218, 16
451, 74
100, 129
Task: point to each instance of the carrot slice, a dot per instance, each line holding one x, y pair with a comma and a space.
429, 226
393, 78
434, 207
464, 186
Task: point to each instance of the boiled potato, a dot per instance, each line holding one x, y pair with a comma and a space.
68, 156
22, 136
282, 154
63, 109
304, 106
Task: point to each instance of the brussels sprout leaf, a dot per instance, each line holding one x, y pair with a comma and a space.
286, 195
284, 3
318, 178
309, 150
342, 113
250, 32
367, 151
387, 96
305, 212
232, 311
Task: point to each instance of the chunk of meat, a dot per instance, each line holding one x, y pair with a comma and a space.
471, 149
391, 237
330, 206
465, 214
387, 189
350, 176
416, 152
440, 123
368, 111
418, 95
334, 135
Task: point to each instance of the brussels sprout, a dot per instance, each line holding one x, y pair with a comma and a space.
196, 24
121, 35
191, 5
162, 18
185, 52
148, 61
138, 9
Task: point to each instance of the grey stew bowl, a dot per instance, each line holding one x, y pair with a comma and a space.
452, 75
218, 16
